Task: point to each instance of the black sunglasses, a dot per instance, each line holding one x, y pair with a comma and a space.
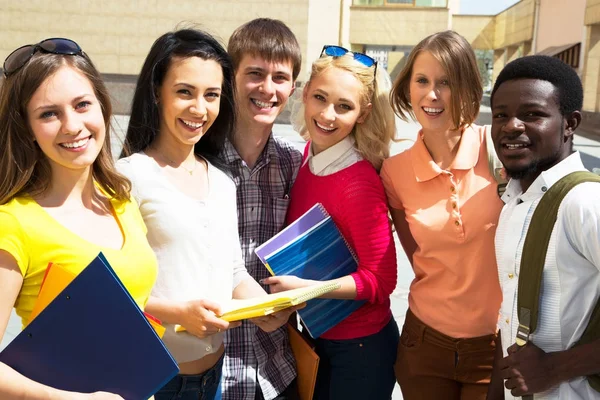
338, 51
18, 58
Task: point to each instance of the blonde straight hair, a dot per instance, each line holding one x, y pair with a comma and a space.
373, 137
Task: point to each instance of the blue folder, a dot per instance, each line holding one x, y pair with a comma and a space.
93, 337
313, 248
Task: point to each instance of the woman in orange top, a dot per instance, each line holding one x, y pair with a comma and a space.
444, 204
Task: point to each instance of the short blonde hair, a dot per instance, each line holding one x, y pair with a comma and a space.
374, 135
458, 60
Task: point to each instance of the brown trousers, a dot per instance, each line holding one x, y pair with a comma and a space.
432, 366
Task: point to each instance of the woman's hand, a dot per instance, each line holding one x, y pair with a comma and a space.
285, 282
103, 396
199, 317
271, 322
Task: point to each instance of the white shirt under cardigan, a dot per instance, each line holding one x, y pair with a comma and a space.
334, 159
571, 277
196, 244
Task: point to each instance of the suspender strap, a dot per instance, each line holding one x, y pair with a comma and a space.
494, 164
534, 257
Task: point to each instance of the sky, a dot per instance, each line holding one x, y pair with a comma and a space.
484, 6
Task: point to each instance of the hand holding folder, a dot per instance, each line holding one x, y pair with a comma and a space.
93, 337
236, 309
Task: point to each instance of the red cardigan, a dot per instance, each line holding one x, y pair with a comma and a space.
355, 199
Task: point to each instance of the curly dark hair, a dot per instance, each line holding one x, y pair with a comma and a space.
546, 68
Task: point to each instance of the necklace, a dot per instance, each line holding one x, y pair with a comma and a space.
188, 170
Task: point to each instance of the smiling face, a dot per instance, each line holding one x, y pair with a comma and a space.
262, 89
66, 120
189, 99
430, 95
529, 132
332, 106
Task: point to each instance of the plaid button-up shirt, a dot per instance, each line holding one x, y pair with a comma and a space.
252, 356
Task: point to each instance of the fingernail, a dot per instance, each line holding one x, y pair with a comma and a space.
262, 281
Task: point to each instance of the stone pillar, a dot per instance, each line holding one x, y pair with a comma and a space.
499, 62
591, 73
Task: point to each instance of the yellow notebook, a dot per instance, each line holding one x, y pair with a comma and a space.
235, 309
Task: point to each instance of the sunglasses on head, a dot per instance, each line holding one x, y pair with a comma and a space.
338, 51
18, 58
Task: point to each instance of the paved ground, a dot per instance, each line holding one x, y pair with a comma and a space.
590, 151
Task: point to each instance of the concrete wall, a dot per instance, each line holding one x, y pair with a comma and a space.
479, 30
591, 74
515, 24
395, 25
592, 12
323, 27
117, 34
560, 23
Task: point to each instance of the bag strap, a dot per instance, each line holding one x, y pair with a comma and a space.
534, 258
494, 164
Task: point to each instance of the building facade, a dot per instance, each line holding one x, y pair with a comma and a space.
118, 34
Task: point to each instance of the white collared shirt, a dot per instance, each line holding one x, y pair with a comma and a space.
571, 277
334, 159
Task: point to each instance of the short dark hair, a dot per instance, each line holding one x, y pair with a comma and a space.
266, 38
144, 123
546, 68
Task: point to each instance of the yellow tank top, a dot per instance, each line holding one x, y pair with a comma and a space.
35, 239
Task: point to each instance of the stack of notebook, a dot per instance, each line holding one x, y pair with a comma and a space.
313, 248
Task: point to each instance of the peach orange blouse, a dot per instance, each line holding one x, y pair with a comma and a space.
452, 216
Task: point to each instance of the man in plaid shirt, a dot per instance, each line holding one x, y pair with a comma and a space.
267, 59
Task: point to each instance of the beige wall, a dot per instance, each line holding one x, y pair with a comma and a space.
592, 12
591, 73
515, 24
395, 26
479, 30
560, 23
323, 28
117, 34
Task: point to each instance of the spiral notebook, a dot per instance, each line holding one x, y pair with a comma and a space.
312, 247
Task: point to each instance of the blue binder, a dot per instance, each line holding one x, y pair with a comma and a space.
93, 337
313, 248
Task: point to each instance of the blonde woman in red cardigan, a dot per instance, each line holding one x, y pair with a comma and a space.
347, 117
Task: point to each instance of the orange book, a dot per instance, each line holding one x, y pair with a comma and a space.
56, 280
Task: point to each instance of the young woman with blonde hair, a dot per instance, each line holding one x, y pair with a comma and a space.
61, 200
445, 207
347, 117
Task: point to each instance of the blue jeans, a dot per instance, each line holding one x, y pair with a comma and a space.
361, 368
193, 387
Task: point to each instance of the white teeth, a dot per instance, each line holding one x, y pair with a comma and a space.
75, 145
263, 104
512, 146
193, 124
433, 110
324, 127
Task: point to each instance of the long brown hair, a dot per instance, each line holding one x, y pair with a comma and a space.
458, 60
24, 169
